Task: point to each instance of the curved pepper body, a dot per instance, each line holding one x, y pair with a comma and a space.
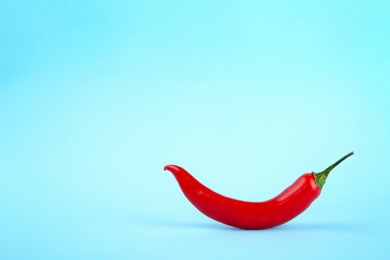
254, 215
244, 214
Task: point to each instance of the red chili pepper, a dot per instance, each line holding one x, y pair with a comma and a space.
253, 215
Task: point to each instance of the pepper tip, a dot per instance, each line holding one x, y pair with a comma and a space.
167, 167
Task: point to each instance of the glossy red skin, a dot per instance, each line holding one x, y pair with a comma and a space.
244, 214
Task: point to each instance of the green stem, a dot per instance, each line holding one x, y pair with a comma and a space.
320, 177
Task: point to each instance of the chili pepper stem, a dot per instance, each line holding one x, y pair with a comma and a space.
320, 178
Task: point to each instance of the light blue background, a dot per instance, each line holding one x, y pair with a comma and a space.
97, 96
